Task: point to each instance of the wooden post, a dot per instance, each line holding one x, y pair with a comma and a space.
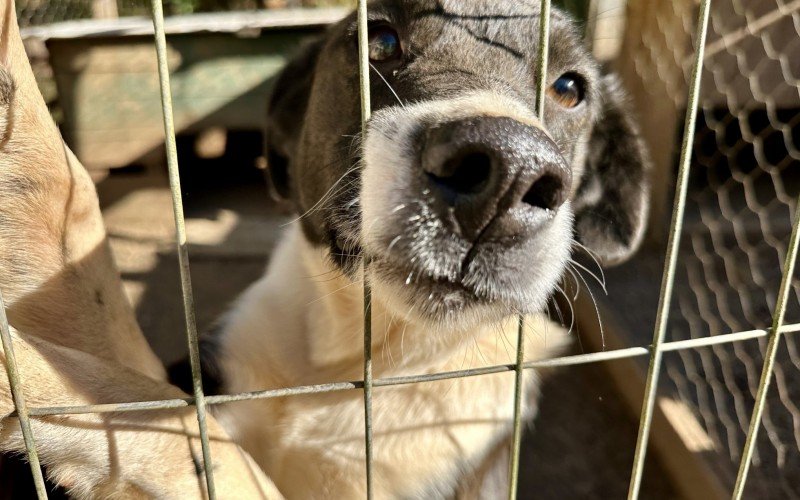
656, 43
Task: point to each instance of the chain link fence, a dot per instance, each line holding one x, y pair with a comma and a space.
742, 197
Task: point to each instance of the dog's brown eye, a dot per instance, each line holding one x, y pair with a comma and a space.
567, 90
384, 44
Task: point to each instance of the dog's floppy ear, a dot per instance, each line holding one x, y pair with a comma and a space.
612, 202
285, 116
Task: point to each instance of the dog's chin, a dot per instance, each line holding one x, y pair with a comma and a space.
455, 304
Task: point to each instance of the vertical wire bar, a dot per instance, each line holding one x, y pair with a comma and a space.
671, 260
541, 85
542, 58
14, 382
769, 358
518, 395
180, 233
366, 111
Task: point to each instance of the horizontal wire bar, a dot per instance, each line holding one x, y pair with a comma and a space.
577, 359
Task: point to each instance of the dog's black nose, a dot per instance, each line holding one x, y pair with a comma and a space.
483, 167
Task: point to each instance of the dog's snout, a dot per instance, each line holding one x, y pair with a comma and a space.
482, 167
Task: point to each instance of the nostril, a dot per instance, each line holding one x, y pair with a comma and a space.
546, 193
466, 174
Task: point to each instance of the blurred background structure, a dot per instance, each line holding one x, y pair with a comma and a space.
39, 12
745, 180
96, 66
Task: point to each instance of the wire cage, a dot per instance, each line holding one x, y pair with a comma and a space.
732, 241
741, 201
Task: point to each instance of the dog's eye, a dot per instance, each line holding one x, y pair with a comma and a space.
567, 90
384, 44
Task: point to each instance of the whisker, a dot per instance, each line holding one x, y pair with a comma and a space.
597, 312
329, 194
339, 274
395, 241
353, 202
590, 253
602, 282
388, 85
403, 335
577, 333
479, 351
332, 293
571, 271
509, 347
554, 306
571, 310
386, 351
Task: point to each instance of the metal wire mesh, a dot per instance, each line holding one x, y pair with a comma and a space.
711, 254
36, 12
742, 199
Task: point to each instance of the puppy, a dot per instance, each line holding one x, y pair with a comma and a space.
466, 209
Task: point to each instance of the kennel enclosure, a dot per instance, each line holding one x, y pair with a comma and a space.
734, 223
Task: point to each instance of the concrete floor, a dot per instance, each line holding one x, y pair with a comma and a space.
582, 444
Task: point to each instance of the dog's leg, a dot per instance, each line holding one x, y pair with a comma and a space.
153, 454
56, 271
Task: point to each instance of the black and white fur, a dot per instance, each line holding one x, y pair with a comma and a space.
448, 278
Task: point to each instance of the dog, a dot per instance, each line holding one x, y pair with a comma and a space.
458, 206
463, 203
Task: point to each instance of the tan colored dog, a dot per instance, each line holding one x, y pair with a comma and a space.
75, 336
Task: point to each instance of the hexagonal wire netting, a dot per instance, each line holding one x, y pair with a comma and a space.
36, 12
742, 197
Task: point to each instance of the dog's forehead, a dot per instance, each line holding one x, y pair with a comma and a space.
481, 44
483, 7
470, 28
